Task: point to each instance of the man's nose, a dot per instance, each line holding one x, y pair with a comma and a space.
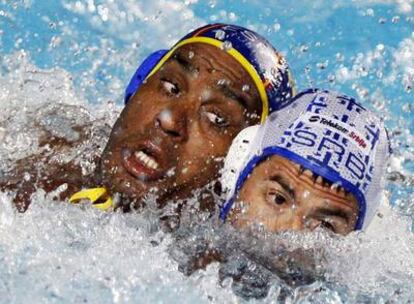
297, 223
173, 122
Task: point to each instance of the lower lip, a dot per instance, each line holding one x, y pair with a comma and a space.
138, 169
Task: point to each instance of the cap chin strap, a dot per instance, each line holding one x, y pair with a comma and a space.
98, 197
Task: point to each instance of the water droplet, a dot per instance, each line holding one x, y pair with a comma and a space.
171, 172
379, 74
223, 82
55, 42
339, 57
276, 27
226, 46
26, 176
382, 20
380, 47
370, 12
304, 48
232, 16
322, 65
212, 3
245, 88
220, 34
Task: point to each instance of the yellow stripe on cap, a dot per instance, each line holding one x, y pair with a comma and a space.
236, 55
93, 195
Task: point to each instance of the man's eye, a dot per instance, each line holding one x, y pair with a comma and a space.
217, 119
170, 87
278, 199
327, 225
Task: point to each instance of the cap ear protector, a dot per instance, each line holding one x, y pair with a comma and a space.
142, 72
239, 151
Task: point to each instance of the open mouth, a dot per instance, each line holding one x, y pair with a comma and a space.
146, 159
142, 164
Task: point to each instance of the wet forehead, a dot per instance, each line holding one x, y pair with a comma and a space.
201, 54
289, 171
217, 62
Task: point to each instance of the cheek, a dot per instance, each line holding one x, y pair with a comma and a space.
197, 167
249, 194
141, 113
135, 119
253, 199
202, 152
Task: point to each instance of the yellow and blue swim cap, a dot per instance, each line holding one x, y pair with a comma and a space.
266, 66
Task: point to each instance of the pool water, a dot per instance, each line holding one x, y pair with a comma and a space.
81, 54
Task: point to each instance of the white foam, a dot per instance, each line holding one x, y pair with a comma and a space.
166, 19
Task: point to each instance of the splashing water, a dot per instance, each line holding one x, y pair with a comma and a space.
64, 64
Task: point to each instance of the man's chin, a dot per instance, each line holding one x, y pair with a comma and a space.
127, 188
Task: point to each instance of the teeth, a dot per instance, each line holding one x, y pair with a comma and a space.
146, 159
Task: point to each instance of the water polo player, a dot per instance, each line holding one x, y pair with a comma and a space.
195, 99
182, 109
320, 162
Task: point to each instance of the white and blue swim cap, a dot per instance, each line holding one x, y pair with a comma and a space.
328, 133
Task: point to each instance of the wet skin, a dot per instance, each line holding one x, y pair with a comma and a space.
47, 169
281, 195
173, 133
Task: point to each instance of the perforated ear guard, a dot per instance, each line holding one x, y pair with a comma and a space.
142, 72
239, 151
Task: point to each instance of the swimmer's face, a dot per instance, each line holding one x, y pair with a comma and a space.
280, 196
174, 131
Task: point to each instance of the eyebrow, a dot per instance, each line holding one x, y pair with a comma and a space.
332, 211
184, 62
228, 92
284, 184
224, 88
